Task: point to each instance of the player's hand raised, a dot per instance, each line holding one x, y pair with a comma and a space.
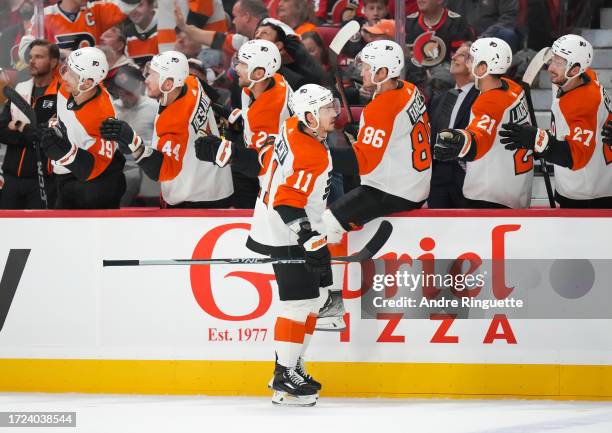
452, 144
119, 131
214, 149
525, 136
606, 133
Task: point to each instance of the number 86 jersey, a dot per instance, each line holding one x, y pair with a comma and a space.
392, 147
298, 176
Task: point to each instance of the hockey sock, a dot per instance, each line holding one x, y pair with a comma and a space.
309, 328
290, 330
338, 271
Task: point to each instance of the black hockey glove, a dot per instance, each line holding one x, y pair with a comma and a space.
351, 132
606, 133
453, 144
523, 137
56, 146
214, 149
316, 252
119, 131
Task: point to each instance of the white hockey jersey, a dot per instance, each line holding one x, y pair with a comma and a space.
264, 116
578, 117
498, 175
392, 147
183, 177
298, 176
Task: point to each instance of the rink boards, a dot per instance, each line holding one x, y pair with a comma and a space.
74, 326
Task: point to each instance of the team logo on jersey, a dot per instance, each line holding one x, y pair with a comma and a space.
428, 50
281, 149
74, 41
47, 103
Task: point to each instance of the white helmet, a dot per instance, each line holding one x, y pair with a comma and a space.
309, 99
89, 63
575, 50
170, 64
495, 52
259, 53
383, 54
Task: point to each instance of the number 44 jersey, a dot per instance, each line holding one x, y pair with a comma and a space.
392, 147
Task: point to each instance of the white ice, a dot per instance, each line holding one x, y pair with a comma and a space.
186, 414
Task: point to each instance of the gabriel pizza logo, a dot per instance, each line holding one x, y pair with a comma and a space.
428, 50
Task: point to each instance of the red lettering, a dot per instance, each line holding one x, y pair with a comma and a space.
345, 334
429, 268
506, 334
440, 335
201, 283
500, 291
386, 336
475, 262
392, 265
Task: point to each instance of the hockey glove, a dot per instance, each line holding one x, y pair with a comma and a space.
351, 132
119, 131
606, 133
56, 147
316, 253
214, 149
524, 137
452, 144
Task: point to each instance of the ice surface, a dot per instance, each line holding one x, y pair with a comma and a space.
186, 414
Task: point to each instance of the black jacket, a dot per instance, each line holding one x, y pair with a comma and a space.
20, 159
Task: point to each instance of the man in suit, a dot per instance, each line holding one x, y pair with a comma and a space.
451, 109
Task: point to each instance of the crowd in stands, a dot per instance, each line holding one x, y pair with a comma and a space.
209, 33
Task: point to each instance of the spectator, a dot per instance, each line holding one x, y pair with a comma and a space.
299, 67
72, 24
112, 44
451, 110
317, 49
139, 111
297, 14
10, 35
141, 33
247, 15
435, 33
491, 18
374, 11
382, 30
20, 166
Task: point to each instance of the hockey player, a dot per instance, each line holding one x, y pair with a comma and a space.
184, 112
73, 24
90, 172
287, 222
265, 107
494, 177
575, 145
390, 152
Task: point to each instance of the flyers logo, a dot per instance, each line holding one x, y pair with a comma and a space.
74, 41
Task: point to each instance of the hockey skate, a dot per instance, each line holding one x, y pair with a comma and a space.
291, 389
301, 369
331, 315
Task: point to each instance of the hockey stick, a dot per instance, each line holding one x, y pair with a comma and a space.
531, 73
372, 247
22, 105
342, 37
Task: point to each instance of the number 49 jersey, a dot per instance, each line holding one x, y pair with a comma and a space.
578, 118
498, 175
392, 147
298, 176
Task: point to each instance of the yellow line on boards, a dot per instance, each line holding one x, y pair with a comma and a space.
351, 379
